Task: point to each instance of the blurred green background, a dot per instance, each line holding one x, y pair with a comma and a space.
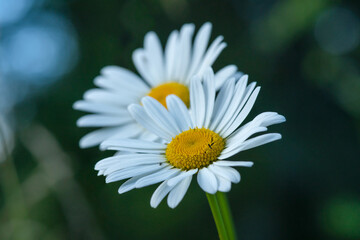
304, 54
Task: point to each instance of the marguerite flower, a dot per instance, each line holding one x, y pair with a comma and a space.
161, 73
196, 142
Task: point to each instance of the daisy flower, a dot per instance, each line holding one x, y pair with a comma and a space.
162, 72
196, 142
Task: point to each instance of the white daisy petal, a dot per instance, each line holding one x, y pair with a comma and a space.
213, 52
223, 74
139, 114
134, 145
97, 120
107, 162
156, 177
269, 118
224, 184
234, 163
237, 139
121, 86
141, 63
251, 143
197, 102
129, 184
237, 103
160, 115
160, 194
243, 114
209, 92
104, 96
200, 43
228, 173
127, 131
96, 137
207, 181
178, 193
260, 140
95, 107
123, 78
170, 54
101, 172
155, 56
175, 180
184, 51
222, 102
132, 172
132, 160
224, 128
148, 136
180, 113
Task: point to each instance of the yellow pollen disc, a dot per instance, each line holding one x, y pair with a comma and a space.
194, 148
162, 91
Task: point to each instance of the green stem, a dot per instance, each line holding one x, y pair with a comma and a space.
219, 222
226, 214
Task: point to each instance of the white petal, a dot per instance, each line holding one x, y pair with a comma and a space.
124, 79
261, 140
121, 86
224, 184
222, 102
149, 136
237, 102
159, 194
184, 51
139, 114
127, 131
160, 115
170, 54
269, 118
212, 53
141, 63
133, 145
175, 180
228, 173
96, 137
243, 114
207, 181
178, 193
100, 172
209, 92
100, 108
132, 172
129, 184
197, 102
97, 120
179, 112
104, 96
234, 141
251, 143
133, 160
155, 57
156, 177
223, 74
234, 163
245, 96
200, 44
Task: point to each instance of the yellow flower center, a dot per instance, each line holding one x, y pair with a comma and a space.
162, 91
194, 148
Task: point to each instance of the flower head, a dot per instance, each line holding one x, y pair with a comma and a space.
194, 142
162, 73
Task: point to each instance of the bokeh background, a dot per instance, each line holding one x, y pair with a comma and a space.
304, 54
